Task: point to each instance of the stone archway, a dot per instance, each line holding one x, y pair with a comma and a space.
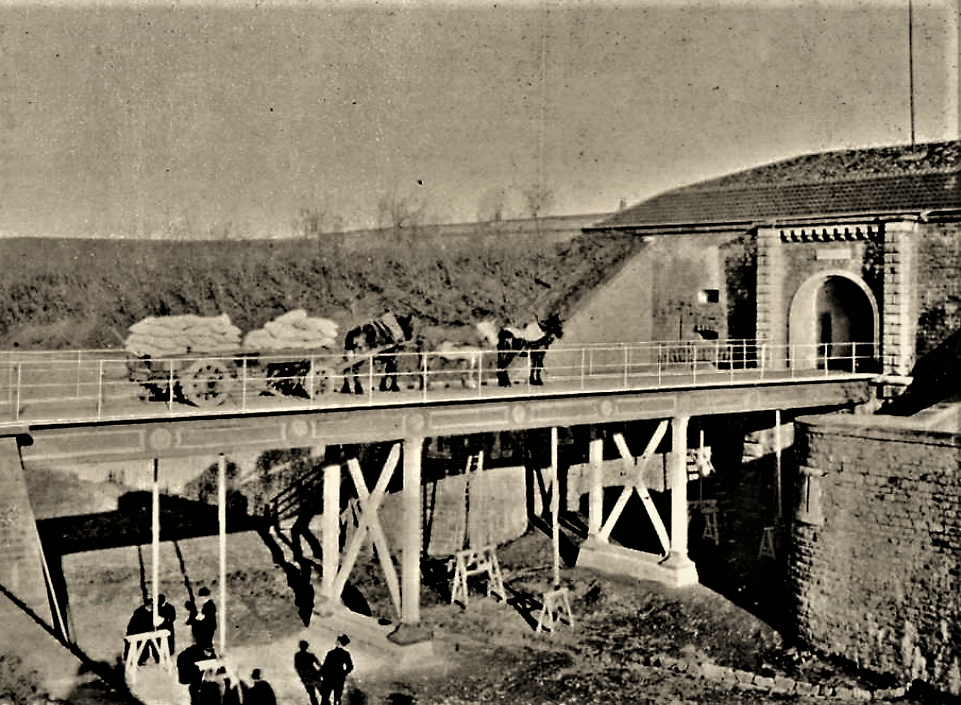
833, 321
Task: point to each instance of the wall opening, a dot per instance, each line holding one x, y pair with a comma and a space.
834, 324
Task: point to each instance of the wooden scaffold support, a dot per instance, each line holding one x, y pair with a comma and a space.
475, 560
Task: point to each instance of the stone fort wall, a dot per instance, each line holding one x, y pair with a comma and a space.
875, 564
938, 285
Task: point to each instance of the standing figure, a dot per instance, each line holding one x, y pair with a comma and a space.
203, 620
168, 618
308, 668
260, 692
141, 622
337, 666
189, 673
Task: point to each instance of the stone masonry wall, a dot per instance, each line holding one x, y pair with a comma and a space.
938, 284
875, 565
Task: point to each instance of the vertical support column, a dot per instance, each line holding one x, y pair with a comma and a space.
222, 524
413, 532
777, 463
678, 558
596, 496
155, 539
330, 536
555, 509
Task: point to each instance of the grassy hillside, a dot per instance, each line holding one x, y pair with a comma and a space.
58, 294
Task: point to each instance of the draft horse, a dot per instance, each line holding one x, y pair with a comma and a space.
378, 341
531, 341
449, 352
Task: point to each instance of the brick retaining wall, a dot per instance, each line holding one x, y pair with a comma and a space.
876, 546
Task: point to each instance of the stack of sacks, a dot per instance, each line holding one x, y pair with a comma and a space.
294, 330
164, 336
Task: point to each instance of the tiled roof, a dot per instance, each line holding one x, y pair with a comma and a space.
864, 181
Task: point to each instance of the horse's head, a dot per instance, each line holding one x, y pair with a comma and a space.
407, 325
488, 331
552, 326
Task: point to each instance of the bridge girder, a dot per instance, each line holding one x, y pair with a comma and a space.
47, 444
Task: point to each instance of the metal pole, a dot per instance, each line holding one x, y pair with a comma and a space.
100, 391
777, 461
155, 539
555, 510
222, 522
79, 363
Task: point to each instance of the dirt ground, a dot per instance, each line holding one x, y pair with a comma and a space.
631, 642
487, 651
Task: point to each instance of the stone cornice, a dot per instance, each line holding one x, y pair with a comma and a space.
848, 232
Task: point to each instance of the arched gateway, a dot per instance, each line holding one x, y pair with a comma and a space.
833, 321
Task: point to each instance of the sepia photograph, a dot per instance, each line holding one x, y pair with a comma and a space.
441, 352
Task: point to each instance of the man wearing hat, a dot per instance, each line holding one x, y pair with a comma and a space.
337, 666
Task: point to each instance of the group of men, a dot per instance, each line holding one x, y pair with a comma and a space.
327, 678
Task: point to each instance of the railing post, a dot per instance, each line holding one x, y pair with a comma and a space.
827, 367
426, 381
583, 370
100, 389
657, 357
19, 384
626, 357
480, 372
79, 364
854, 358
370, 379
170, 389
243, 383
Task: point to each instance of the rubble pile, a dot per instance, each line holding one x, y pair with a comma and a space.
163, 336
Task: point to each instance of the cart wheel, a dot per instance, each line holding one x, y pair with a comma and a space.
322, 380
208, 383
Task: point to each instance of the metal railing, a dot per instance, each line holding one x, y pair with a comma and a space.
91, 385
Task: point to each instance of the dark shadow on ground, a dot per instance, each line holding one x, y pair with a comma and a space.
107, 680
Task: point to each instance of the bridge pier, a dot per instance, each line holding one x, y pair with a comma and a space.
410, 631
677, 569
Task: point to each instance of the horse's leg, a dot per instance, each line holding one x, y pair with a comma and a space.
537, 364
505, 355
467, 378
388, 382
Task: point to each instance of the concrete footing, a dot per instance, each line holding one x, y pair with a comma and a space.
402, 644
617, 560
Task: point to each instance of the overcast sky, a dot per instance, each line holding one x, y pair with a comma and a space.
121, 118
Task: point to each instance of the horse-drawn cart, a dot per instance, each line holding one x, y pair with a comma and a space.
212, 377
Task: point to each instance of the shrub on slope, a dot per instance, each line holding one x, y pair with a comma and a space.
86, 293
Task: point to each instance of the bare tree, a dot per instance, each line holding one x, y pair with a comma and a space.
539, 199
313, 222
402, 214
492, 206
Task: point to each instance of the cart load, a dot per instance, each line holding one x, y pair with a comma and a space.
205, 361
166, 336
